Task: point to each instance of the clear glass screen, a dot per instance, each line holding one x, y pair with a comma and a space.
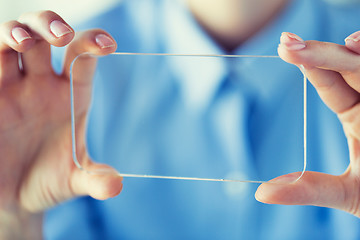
190, 117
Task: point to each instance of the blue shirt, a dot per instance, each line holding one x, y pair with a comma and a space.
216, 118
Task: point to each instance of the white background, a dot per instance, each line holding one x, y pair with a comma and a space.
71, 10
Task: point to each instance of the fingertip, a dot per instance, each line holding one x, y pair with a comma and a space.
266, 193
354, 37
60, 29
49, 26
280, 190
291, 48
61, 32
98, 181
15, 36
107, 187
292, 57
20, 35
104, 183
104, 41
259, 196
95, 41
291, 41
276, 194
352, 42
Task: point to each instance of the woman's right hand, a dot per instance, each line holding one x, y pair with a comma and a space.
36, 165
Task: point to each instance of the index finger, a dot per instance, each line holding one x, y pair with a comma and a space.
49, 26
323, 55
331, 69
95, 41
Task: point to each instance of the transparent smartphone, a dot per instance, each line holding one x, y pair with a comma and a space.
192, 117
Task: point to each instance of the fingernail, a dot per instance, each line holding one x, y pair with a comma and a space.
104, 41
59, 29
292, 41
353, 37
19, 34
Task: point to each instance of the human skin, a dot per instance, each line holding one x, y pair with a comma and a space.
35, 128
334, 70
37, 169
231, 22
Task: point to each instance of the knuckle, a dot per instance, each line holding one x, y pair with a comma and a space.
351, 198
351, 120
350, 115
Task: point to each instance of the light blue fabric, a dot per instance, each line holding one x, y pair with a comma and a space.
214, 118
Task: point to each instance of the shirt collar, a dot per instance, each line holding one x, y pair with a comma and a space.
200, 78
300, 17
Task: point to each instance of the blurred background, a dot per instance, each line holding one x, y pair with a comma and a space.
74, 11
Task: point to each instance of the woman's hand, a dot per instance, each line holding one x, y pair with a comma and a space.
334, 70
36, 165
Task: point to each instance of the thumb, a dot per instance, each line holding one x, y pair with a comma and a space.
313, 188
98, 181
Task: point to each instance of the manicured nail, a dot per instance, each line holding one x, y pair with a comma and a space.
104, 41
292, 41
59, 29
355, 37
19, 34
